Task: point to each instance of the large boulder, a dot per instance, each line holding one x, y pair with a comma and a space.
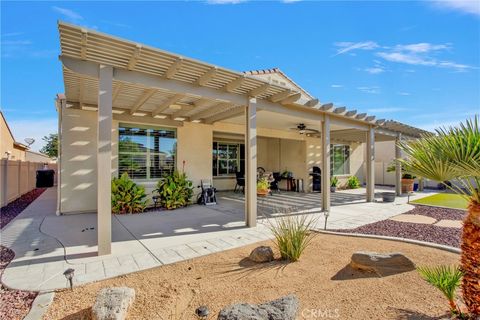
261, 254
285, 308
113, 303
381, 264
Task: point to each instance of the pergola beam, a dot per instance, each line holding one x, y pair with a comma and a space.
340, 110
235, 84
167, 103
232, 113
326, 107
360, 116
291, 98
147, 94
280, 96
134, 58
209, 112
182, 112
83, 44
259, 90
351, 113
312, 103
117, 91
206, 77
174, 68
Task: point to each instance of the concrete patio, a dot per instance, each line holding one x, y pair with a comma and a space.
45, 244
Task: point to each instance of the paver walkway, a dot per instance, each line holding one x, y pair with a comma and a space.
45, 244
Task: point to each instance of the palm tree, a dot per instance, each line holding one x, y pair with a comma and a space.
453, 154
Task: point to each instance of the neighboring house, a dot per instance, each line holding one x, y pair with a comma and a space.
9, 148
132, 108
33, 156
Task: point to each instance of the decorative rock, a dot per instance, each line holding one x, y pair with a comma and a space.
285, 308
261, 254
381, 264
202, 311
113, 303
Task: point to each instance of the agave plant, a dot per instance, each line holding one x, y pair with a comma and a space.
127, 196
453, 154
446, 279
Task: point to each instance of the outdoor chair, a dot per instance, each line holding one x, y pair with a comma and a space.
276, 180
240, 185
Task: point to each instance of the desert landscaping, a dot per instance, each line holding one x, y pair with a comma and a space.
321, 279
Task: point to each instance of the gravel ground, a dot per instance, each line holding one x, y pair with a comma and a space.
321, 279
417, 231
14, 304
13, 209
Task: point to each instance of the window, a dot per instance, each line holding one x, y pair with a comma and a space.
228, 158
339, 159
146, 152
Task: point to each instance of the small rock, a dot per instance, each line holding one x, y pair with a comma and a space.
113, 303
202, 311
285, 308
261, 254
381, 264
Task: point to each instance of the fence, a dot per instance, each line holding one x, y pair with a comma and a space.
19, 177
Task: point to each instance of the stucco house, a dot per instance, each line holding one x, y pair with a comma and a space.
128, 107
9, 147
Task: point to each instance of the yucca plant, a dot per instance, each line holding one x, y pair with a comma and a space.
453, 154
292, 234
127, 196
446, 279
174, 190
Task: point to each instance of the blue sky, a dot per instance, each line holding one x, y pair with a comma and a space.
413, 61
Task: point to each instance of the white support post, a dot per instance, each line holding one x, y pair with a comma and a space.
370, 164
251, 162
104, 160
398, 166
326, 164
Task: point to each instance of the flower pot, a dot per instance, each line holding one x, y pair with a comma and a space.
262, 193
388, 197
333, 189
407, 185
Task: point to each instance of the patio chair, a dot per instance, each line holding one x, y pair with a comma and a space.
240, 184
274, 184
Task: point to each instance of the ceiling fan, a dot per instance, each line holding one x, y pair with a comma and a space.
302, 129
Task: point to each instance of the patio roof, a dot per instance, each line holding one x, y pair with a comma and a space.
197, 91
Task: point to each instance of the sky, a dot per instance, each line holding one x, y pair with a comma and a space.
417, 62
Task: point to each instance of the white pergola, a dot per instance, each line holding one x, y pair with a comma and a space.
128, 81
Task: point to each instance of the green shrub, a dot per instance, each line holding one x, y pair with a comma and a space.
174, 191
353, 182
292, 234
127, 196
444, 278
334, 182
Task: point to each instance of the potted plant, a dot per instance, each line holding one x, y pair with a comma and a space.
333, 184
408, 180
263, 187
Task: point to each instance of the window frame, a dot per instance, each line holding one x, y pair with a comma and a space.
345, 159
216, 158
148, 153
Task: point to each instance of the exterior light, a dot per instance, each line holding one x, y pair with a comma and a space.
69, 273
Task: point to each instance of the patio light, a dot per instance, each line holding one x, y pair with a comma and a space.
69, 273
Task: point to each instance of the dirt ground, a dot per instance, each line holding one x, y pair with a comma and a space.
326, 286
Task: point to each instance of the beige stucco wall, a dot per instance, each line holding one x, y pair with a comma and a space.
37, 157
277, 151
7, 143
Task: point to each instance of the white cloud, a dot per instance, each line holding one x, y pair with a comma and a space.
375, 70
371, 89
385, 110
469, 7
404, 93
422, 47
405, 58
67, 13
116, 24
336, 86
33, 128
344, 47
290, 1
